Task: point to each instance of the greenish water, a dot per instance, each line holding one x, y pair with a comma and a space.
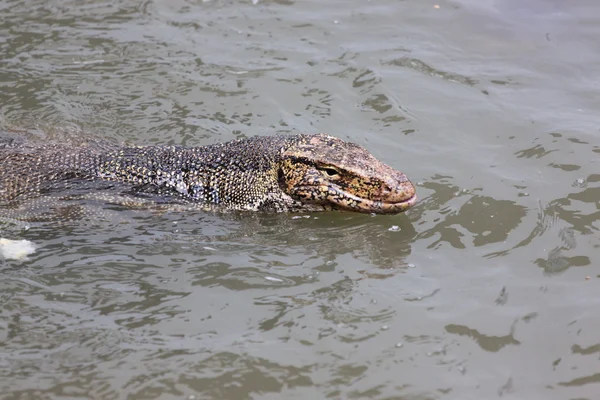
487, 288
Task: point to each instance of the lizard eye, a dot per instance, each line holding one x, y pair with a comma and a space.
331, 172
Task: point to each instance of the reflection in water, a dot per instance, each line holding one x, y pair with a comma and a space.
106, 291
486, 342
481, 220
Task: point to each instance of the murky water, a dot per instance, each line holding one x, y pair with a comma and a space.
487, 288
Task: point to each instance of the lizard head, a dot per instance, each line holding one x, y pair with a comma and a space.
326, 171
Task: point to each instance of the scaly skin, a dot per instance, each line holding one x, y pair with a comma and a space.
267, 173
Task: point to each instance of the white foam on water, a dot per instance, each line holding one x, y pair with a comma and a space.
16, 249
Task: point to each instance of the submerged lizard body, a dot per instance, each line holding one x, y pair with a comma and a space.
267, 173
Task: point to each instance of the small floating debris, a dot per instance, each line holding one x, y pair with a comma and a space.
394, 228
16, 249
580, 183
89, 62
273, 279
301, 217
243, 72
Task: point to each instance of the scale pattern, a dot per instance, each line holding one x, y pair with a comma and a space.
265, 173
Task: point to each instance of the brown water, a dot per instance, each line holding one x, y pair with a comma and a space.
488, 288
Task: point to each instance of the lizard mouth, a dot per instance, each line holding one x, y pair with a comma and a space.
337, 198
351, 202
384, 207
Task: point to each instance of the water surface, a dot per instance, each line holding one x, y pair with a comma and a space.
487, 288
